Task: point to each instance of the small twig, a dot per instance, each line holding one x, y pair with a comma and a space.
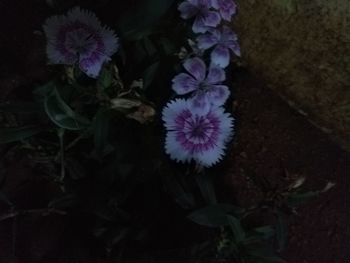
45, 212
75, 141
61, 138
14, 235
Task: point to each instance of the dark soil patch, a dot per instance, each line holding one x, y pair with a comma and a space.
273, 144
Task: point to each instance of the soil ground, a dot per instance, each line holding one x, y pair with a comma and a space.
272, 141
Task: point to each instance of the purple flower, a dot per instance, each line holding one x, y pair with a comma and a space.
205, 86
204, 16
201, 138
226, 8
224, 40
79, 37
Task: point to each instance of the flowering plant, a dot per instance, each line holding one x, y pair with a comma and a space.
132, 125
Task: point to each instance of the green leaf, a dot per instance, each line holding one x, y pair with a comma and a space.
5, 199
137, 24
64, 201
8, 135
265, 259
105, 79
149, 47
149, 74
236, 227
205, 185
213, 215
262, 254
20, 107
176, 190
281, 231
168, 46
62, 115
100, 128
45, 89
75, 168
265, 232
295, 199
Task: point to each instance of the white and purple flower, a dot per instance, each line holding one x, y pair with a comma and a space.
79, 37
205, 87
226, 8
224, 40
205, 17
201, 138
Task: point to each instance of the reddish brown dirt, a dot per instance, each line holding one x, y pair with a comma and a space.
271, 139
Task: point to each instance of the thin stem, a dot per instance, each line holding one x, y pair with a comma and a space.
46, 211
75, 141
61, 138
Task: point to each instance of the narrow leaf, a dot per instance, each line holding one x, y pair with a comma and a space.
237, 230
149, 74
281, 231
8, 135
213, 215
176, 190
206, 187
101, 130
62, 115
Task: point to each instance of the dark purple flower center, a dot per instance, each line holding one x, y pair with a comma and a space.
199, 127
79, 39
197, 133
204, 86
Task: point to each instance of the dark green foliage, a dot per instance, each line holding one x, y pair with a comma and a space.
63, 115
16, 134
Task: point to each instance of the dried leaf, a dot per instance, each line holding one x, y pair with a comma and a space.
143, 114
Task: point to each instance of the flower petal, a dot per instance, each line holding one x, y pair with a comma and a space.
194, 2
170, 112
228, 34
236, 49
92, 65
110, 41
220, 56
218, 95
86, 17
55, 53
226, 124
196, 67
174, 148
198, 25
212, 19
215, 75
227, 8
211, 156
187, 10
206, 41
184, 83
199, 103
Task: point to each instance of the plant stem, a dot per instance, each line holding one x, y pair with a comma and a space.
45, 211
61, 138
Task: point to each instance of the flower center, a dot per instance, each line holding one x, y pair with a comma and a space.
204, 86
80, 41
201, 129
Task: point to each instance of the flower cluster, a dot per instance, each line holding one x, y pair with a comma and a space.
79, 38
198, 129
